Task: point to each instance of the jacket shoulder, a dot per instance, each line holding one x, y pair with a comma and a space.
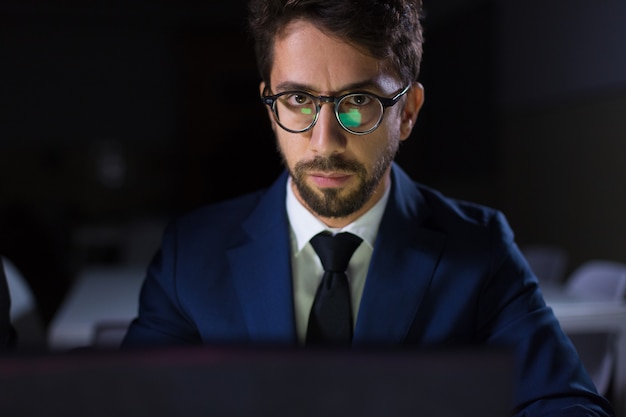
453, 211
221, 215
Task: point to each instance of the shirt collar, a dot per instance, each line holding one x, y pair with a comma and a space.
304, 225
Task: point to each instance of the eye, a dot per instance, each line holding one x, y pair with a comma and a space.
359, 99
298, 99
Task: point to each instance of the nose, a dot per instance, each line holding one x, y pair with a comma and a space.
327, 136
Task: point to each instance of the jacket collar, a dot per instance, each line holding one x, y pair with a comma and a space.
260, 271
403, 263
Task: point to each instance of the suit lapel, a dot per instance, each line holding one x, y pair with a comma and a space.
403, 263
261, 270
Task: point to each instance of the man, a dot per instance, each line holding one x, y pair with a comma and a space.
339, 81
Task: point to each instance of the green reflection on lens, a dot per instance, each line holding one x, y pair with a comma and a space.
351, 119
305, 111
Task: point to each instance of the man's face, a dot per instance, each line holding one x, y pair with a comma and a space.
336, 174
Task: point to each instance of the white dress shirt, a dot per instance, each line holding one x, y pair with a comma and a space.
306, 266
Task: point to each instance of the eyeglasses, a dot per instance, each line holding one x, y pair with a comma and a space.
358, 112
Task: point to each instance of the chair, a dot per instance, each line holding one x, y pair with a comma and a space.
597, 281
98, 309
7, 333
547, 262
24, 312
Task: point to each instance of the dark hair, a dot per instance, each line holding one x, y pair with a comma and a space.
388, 29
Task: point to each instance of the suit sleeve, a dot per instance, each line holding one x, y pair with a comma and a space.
551, 378
161, 320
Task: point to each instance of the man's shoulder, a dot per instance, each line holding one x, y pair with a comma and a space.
456, 218
221, 214
452, 208
433, 205
257, 209
465, 220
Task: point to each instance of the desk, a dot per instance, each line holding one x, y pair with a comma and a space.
102, 297
109, 296
578, 316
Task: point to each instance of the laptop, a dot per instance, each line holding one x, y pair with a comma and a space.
218, 382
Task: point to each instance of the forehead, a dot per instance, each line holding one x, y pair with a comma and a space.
305, 55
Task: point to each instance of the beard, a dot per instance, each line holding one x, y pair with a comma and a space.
335, 202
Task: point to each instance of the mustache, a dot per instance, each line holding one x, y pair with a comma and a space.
332, 163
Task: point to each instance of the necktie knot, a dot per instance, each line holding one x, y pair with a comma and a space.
335, 251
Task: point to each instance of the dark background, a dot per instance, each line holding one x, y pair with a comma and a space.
117, 115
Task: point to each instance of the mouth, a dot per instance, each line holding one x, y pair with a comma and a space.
330, 179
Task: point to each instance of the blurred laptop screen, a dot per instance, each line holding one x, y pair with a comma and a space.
219, 382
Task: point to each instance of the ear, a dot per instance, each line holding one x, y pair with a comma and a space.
412, 106
270, 114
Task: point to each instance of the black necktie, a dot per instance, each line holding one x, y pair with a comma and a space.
330, 320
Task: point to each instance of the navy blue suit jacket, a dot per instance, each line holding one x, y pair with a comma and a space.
443, 273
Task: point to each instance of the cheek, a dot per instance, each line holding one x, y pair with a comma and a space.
290, 148
387, 134
395, 133
393, 122
369, 153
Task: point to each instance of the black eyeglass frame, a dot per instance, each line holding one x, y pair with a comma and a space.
385, 102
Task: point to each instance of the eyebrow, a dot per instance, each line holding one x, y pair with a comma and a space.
293, 86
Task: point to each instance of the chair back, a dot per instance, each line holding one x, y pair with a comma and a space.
24, 311
598, 280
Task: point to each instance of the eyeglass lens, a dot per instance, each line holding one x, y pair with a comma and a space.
356, 112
